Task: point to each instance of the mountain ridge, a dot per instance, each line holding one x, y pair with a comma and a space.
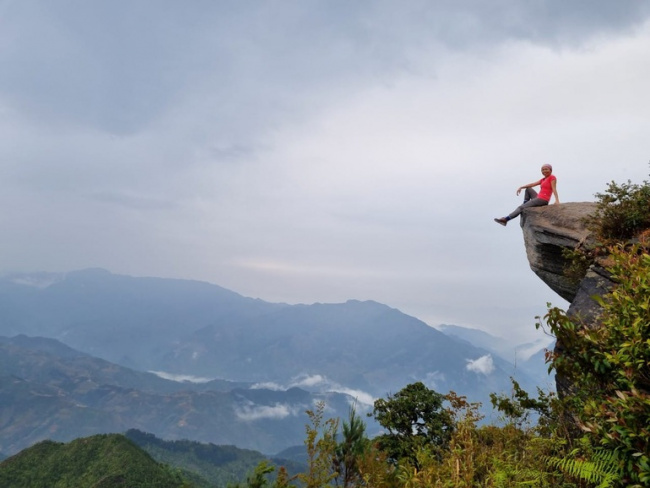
116, 328
47, 397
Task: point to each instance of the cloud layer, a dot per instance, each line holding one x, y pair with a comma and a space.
321, 384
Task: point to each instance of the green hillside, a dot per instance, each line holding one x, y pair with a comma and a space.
101, 461
218, 465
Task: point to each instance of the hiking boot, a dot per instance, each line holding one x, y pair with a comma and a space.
501, 221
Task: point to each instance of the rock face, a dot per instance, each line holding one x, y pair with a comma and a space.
548, 231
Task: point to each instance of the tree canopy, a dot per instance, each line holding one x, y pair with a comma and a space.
413, 417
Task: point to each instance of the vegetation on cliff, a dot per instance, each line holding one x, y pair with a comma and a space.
607, 362
622, 216
623, 211
608, 365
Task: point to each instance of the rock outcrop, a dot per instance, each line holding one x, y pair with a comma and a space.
548, 231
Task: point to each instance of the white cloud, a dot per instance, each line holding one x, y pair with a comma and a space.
321, 384
181, 377
250, 413
308, 381
268, 385
483, 365
358, 397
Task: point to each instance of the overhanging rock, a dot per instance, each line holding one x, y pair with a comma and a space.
548, 231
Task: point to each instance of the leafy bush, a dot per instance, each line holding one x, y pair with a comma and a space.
609, 364
596, 466
623, 211
622, 214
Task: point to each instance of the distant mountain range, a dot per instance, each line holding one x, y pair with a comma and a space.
62, 395
78, 347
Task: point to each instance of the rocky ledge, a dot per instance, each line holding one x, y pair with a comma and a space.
548, 231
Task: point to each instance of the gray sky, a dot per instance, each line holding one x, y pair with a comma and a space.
314, 151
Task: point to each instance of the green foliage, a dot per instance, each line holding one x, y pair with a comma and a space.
519, 406
577, 262
609, 364
597, 466
350, 450
515, 455
623, 210
486, 457
259, 478
414, 418
97, 461
206, 465
321, 449
506, 456
622, 214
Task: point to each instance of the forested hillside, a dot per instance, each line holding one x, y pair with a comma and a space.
102, 461
208, 464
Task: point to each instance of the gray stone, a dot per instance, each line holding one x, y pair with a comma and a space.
550, 230
547, 232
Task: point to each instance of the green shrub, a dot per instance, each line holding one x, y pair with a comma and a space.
608, 365
623, 211
622, 214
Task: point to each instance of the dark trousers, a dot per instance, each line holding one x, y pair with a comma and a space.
530, 200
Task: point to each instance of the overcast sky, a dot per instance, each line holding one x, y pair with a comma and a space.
314, 151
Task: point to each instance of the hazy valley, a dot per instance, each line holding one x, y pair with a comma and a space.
78, 351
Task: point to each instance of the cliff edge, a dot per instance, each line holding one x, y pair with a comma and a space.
548, 231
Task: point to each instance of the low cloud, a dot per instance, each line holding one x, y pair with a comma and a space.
525, 351
268, 385
483, 365
308, 381
362, 400
250, 413
320, 384
181, 378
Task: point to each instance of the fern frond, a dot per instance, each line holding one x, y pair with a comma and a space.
602, 468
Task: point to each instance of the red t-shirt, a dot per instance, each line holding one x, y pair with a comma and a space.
546, 189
